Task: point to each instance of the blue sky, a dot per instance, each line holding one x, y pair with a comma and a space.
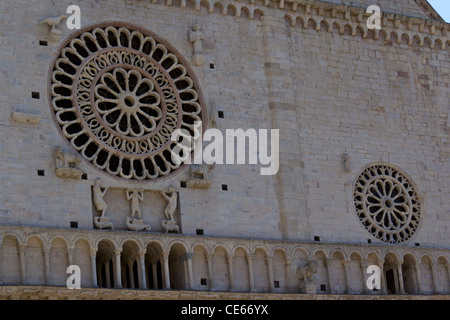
442, 7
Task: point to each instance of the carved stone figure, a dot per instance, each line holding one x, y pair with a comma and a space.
99, 202
98, 194
66, 164
52, 22
196, 37
135, 196
170, 224
306, 272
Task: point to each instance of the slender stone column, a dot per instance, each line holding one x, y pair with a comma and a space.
70, 250
365, 290
418, 277
250, 273
22, 248
165, 258
347, 276
230, 271
330, 277
434, 277
141, 270
269, 260
155, 274
188, 257
93, 254
47, 265
383, 278
209, 260
400, 278
131, 271
117, 273
107, 275
290, 281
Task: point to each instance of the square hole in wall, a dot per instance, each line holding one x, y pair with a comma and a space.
203, 281
211, 65
417, 244
84, 176
35, 95
225, 187
369, 240
323, 288
220, 114
199, 232
183, 184
276, 284
43, 43
41, 173
74, 224
316, 238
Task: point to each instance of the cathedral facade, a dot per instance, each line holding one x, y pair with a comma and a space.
224, 149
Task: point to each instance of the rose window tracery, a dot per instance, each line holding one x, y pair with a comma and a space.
118, 93
387, 203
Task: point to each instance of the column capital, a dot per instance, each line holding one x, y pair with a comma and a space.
142, 253
188, 255
117, 251
93, 252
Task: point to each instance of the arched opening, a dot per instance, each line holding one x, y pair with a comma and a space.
409, 274
355, 271
105, 264
59, 261
221, 270
391, 274
280, 271
338, 272
34, 262
322, 280
241, 271
153, 266
10, 261
177, 267
200, 268
426, 275
260, 271
129, 265
442, 273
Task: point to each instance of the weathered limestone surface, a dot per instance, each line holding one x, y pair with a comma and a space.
316, 73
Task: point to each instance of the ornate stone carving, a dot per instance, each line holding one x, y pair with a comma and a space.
66, 164
196, 37
199, 176
170, 224
387, 203
118, 93
101, 222
52, 22
135, 195
306, 271
305, 274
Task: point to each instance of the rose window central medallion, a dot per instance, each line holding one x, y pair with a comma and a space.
118, 93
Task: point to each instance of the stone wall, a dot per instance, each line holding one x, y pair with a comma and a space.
315, 72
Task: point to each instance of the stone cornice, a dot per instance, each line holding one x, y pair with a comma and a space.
330, 17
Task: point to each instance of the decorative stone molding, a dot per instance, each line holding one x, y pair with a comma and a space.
330, 17
117, 93
199, 177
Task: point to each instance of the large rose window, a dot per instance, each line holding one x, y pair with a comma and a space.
387, 203
118, 93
